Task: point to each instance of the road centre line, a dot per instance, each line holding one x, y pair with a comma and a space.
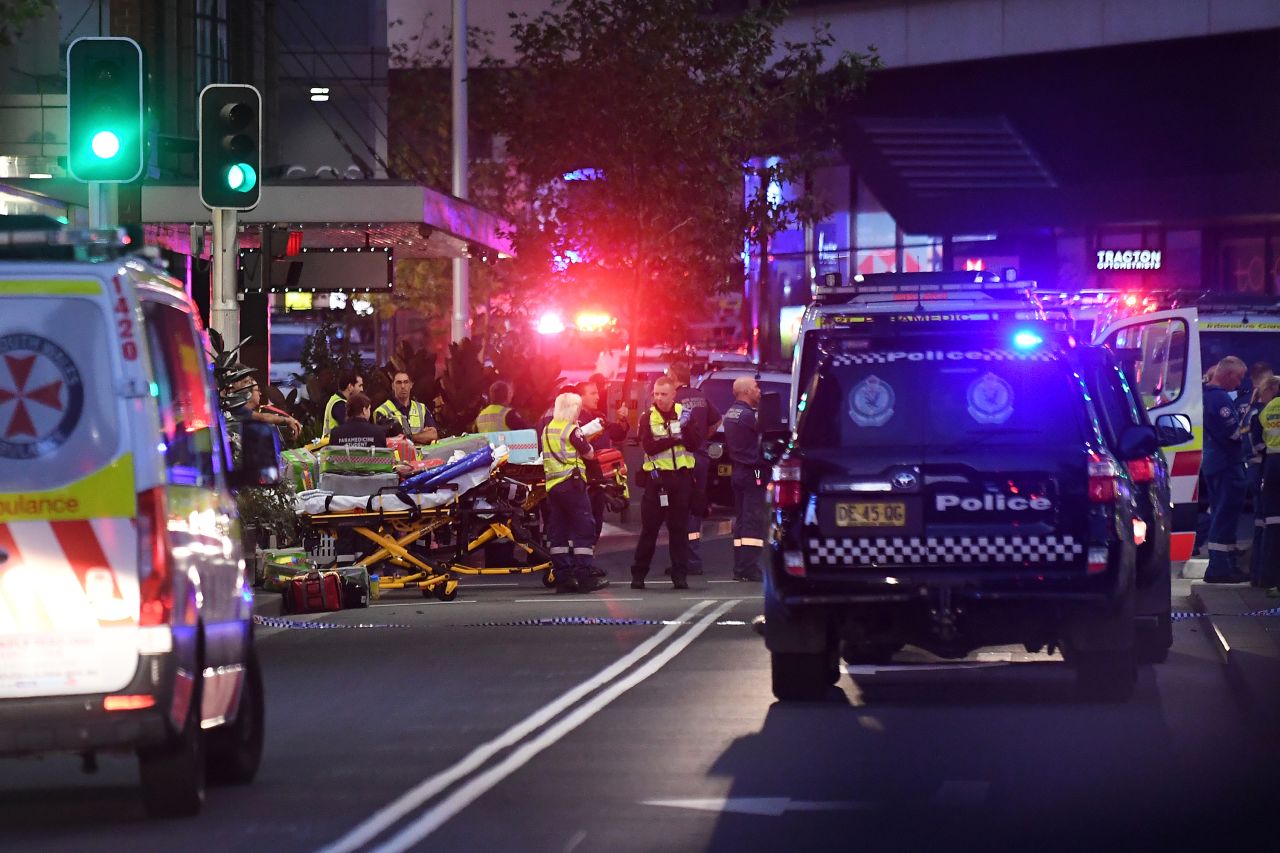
434, 818
389, 814
571, 600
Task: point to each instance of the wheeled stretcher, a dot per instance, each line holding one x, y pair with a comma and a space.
474, 500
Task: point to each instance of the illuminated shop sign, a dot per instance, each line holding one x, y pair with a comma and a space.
1129, 260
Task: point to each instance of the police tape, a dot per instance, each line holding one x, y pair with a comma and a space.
1182, 615
276, 622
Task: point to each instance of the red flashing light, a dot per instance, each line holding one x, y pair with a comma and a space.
592, 321
128, 703
974, 264
1131, 300
550, 324
293, 246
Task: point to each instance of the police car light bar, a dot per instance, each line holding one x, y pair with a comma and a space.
907, 284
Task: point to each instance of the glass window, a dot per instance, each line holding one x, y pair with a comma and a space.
186, 415
950, 396
876, 234
213, 63
1161, 369
1244, 265
1114, 403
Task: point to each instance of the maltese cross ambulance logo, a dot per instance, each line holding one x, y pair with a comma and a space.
41, 396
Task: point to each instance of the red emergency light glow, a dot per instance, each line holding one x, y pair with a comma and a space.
128, 703
974, 265
592, 321
293, 246
550, 324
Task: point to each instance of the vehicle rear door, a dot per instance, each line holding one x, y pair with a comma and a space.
69, 371
1167, 376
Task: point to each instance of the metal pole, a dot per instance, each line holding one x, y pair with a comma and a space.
102, 204
224, 310
461, 324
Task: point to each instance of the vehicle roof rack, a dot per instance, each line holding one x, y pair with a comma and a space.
829, 289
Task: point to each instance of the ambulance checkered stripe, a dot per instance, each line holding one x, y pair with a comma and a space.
946, 549
849, 359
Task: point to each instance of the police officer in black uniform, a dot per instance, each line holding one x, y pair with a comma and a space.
1223, 469
742, 439
705, 420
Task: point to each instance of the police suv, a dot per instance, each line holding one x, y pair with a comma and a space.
125, 607
956, 478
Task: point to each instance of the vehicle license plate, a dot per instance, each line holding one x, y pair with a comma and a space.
871, 514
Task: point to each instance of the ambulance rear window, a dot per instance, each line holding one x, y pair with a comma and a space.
179, 366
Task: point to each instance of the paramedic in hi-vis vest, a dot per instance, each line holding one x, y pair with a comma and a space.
571, 531
498, 416
335, 411
414, 417
1267, 544
667, 478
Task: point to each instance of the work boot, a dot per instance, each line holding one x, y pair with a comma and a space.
566, 582
678, 581
587, 582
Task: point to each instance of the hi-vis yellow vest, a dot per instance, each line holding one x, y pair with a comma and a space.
330, 422
668, 460
417, 420
492, 418
1269, 417
560, 459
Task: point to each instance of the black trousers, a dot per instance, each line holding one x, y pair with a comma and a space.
570, 528
748, 528
677, 486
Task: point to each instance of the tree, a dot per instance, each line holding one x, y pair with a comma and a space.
637, 125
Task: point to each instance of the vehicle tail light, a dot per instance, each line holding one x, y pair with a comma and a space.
785, 487
1097, 560
128, 703
1139, 532
1102, 479
1142, 470
155, 570
793, 563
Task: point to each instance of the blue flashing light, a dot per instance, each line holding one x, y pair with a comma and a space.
1027, 340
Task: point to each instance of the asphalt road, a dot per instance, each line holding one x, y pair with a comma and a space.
475, 726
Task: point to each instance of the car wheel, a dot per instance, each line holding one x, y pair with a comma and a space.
802, 677
1106, 676
173, 773
1153, 639
235, 751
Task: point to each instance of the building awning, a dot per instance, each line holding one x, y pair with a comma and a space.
416, 221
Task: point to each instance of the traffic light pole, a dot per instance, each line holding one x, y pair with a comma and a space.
461, 324
224, 310
102, 204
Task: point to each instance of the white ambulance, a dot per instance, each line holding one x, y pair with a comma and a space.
125, 609
1177, 337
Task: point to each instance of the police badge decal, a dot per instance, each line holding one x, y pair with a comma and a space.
990, 399
871, 402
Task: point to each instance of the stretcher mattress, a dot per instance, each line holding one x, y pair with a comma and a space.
318, 502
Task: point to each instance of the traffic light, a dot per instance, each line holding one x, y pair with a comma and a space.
230, 146
104, 109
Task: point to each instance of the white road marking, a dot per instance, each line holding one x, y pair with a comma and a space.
388, 815
420, 603
706, 598
769, 806
474, 585
571, 600
468, 793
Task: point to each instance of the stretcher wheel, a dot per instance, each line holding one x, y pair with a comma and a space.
446, 591
549, 578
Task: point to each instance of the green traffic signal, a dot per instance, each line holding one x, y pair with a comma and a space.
241, 177
105, 144
105, 138
230, 146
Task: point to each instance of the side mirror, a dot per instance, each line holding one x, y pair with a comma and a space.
259, 456
1173, 430
1137, 441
